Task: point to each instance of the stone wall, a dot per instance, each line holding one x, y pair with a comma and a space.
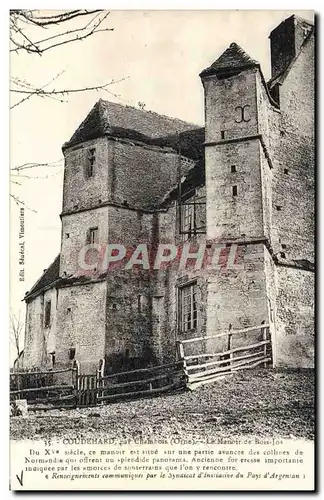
293, 180
238, 297
222, 98
74, 238
40, 340
293, 214
295, 318
141, 175
80, 191
234, 216
81, 325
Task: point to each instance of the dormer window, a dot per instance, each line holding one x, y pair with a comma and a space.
90, 162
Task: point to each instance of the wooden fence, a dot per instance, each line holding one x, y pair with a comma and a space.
70, 388
55, 387
90, 390
142, 382
207, 367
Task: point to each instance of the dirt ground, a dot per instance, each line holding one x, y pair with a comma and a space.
263, 403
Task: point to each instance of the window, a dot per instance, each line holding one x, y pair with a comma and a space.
193, 214
90, 162
188, 221
93, 235
52, 354
188, 307
71, 353
234, 190
233, 169
223, 134
47, 319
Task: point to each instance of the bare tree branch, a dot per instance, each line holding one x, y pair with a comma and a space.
44, 21
19, 202
51, 19
68, 91
35, 91
61, 34
25, 166
25, 26
16, 330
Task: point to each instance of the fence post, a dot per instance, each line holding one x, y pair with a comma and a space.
264, 338
100, 378
18, 385
182, 357
230, 344
77, 382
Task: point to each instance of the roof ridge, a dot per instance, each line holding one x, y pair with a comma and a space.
149, 111
109, 117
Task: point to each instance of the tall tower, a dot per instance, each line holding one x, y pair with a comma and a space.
237, 164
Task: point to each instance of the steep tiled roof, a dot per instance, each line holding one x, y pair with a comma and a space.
189, 143
50, 275
110, 118
234, 57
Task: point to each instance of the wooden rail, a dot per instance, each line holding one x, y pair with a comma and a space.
230, 351
48, 372
144, 370
221, 363
43, 389
134, 394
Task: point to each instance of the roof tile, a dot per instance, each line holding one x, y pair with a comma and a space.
109, 118
234, 57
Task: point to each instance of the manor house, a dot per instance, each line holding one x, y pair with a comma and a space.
245, 180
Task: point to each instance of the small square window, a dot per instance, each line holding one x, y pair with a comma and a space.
52, 354
71, 353
67, 235
93, 235
47, 319
233, 169
284, 246
282, 255
234, 190
286, 171
89, 172
278, 208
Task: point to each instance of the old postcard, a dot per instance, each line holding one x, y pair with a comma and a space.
162, 250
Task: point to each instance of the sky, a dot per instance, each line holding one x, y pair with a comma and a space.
159, 54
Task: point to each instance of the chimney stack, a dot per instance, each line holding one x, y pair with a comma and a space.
286, 41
